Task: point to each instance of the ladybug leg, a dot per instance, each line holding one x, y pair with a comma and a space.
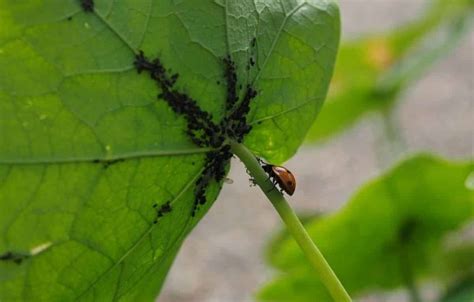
274, 183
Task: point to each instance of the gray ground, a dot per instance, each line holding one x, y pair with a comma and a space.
222, 259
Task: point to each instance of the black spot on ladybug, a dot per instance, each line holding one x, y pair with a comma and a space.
252, 182
87, 5
17, 258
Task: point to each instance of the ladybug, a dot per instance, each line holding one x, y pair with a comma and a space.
281, 176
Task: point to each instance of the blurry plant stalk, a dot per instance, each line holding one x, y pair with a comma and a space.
293, 224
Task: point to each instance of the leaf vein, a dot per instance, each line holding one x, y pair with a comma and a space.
139, 241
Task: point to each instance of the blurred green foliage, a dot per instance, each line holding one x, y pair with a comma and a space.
371, 72
463, 292
391, 232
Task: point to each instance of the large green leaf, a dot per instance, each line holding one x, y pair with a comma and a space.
372, 71
392, 228
86, 148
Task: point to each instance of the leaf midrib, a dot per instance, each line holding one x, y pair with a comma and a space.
123, 156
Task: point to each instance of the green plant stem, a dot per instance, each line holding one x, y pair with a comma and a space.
390, 145
296, 229
407, 274
413, 291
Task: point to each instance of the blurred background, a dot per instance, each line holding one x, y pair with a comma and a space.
224, 257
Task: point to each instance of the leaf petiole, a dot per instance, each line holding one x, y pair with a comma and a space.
293, 224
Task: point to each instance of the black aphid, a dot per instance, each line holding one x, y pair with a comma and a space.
200, 127
165, 208
87, 5
107, 162
162, 210
214, 169
13, 257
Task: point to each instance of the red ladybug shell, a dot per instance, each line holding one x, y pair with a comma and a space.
285, 179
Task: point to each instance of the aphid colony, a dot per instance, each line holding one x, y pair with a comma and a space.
201, 130
200, 127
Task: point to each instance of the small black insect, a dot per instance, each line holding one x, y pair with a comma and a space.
164, 209
87, 5
142, 63
107, 162
14, 257
253, 42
